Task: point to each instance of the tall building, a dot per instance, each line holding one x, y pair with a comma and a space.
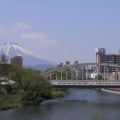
102, 57
67, 63
17, 60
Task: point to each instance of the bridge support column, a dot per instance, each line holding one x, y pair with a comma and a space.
93, 71
86, 75
82, 72
107, 72
97, 71
116, 73
61, 74
66, 75
56, 76
104, 71
119, 73
71, 73
76, 72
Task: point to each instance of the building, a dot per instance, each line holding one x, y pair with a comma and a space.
67, 63
102, 57
76, 63
60, 65
17, 60
114, 76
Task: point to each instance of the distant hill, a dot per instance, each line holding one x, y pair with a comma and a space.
41, 67
29, 58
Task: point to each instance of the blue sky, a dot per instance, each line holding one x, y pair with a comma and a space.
60, 30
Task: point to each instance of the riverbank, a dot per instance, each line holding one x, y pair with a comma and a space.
11, 101
110, 91
79, 104
58, 94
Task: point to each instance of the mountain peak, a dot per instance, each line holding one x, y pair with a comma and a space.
29, 58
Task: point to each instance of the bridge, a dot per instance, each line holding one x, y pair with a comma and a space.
88, 83
85, 75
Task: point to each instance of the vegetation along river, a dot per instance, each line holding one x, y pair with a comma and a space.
80, 104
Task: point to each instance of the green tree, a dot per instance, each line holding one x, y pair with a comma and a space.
32, 87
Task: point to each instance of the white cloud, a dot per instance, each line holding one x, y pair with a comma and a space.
3, 33
20, 25
39, 37
32, 36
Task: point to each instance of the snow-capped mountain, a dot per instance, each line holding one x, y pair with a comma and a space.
29, 58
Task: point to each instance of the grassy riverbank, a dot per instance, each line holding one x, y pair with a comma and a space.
58, 93
31, 87
9, 101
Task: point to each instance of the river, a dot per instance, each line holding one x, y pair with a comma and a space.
80, 104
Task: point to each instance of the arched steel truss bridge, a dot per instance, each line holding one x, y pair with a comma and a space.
85, 75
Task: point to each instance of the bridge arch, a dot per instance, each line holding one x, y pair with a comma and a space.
82, 71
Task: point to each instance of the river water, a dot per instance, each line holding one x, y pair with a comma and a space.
80, 104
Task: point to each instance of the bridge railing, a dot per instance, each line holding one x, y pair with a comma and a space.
84, 83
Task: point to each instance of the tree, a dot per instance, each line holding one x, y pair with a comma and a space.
99, 77
32, 87
4, 59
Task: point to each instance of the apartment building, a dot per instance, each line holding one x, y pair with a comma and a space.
17, 60
102, 57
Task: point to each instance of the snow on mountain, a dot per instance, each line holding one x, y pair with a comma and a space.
29, 58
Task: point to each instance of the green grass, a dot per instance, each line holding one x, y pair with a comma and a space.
9, 101
56, 94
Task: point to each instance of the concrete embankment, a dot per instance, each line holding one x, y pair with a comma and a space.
110, 91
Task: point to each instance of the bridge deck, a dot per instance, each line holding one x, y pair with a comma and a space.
85, 83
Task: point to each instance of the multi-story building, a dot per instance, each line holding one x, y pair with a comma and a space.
17, 60
102, 57
67, 63
60, 65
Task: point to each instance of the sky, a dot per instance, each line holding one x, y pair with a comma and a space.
62, 30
